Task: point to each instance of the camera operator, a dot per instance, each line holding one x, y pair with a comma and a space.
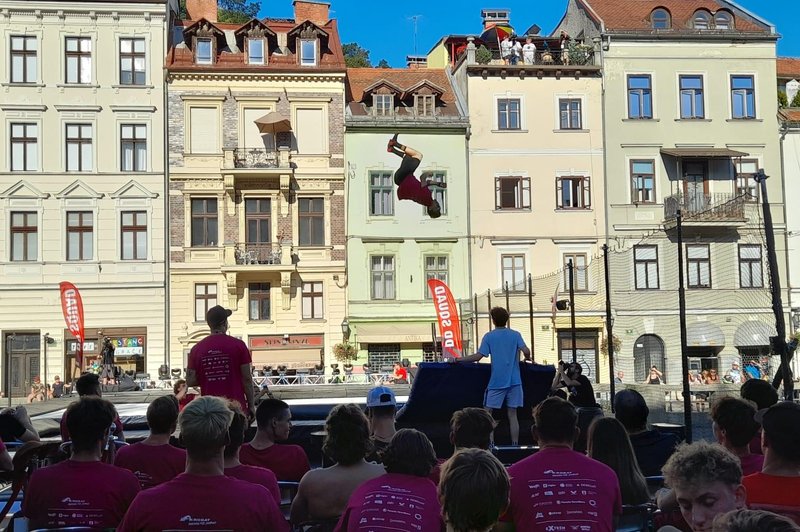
579, 389
107, 354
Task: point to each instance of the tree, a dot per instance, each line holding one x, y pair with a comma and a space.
355, 56
384, 64
783, 101
237, 11
795, 100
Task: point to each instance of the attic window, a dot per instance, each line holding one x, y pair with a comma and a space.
701, 20
203, 51
255, 51
424, 104
308, 52
383, 104
723, 21
660, 19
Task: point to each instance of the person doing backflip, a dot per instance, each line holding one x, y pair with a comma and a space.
408, 186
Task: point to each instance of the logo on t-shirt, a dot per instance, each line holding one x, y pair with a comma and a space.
197, 521
74, 502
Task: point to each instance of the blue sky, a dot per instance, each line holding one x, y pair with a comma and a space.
386, 29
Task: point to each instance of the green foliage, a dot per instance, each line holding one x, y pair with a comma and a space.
237, 11
578, 53
355, 56
384, 64
483, 56
783, 100
345, 352
795, 100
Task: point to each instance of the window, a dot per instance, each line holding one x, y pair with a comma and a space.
204, 222
661, 19
425, 104
640, 96
383, 104
573, 193
79, 147
691, 88
258, 220
312, 300
134, 235
310, 130
133, 148
513, 272
79, 60
745, 184
381, 194
24, 53
259, 301
580, 277
570, 110
701, 20
643, 181
205, 297
204, 130
308, 52
435, 268
24, 147
723, 21
512, 192
743, 96
645, 267
750, 266
312, 221
80, 235
698, 261
255, 51
382, 269
24, 236
132, 62
508, 116
437, 177
204, 52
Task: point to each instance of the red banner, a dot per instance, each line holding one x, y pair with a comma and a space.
447, 312
72, 307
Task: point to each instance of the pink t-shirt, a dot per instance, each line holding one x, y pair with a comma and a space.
288, 462
752, 464
256, 475
90, 494
192, 502
411, 189
560, 489
217, 360
152, 464
393, 502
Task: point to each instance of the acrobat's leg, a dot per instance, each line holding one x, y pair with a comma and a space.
411, 160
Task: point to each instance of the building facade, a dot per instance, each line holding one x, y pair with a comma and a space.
393, 246
690, 114
257, 206
82, 189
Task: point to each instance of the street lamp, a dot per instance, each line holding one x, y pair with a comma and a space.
345, 329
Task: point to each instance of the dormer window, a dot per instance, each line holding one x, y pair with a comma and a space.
255, 51
701, 20
425, 104
308, 52
661, 19
723, 21
383, 104
204, 51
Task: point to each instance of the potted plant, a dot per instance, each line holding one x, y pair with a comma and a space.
604, 345
483, 56
345, 352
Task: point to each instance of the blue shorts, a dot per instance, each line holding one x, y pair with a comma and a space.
512, 396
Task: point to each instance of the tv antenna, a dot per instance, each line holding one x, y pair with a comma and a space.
415, 19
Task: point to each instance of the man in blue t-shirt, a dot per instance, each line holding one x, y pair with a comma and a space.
505, 385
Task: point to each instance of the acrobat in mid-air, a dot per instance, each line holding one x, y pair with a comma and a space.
408, 186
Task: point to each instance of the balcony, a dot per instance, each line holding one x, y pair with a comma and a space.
255, 160
247, 256
710, 210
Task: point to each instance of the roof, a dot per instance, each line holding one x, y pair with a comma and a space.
635, 14
361, 79
791, 114
710, 153
789, 67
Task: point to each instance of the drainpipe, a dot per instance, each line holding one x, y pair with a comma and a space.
167, 218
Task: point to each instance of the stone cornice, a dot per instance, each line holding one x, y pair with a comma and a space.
320, 77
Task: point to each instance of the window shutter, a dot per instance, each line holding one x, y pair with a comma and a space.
526, 193
559, 194
587, 193
497, 193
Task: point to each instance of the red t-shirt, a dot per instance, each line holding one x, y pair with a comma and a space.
752, 464
256, 475
771, 489
152, 464
217, 360
90, 494
188, 398
288, 462
65, 430
192, 502
401, 374
560, 489
393, 502
411, 189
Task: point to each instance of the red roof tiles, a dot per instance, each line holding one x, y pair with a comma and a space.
360, 79
789, 67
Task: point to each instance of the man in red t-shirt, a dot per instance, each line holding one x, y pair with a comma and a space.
153, 460
203, 498
221, 365
288, 462
235, 469
400, 374
408, 186
81, 491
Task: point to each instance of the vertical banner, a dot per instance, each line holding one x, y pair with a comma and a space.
447, 313
72, 307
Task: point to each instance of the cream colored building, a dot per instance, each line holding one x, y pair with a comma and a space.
257, 221
82, 187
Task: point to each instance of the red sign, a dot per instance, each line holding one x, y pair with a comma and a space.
72, 307
279, 341
447, 312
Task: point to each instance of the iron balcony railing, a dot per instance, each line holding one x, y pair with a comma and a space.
257, 253
706, 207
255, 158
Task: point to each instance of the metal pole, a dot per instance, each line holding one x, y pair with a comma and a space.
489, 306
779, 342
687, 400
571, 269
433, 337
530, 316
475, 320
9, 340
609, 328
45, 337
508, 307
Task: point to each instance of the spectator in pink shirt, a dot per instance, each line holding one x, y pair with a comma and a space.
203, 498
734, 425
153, 460
408, 186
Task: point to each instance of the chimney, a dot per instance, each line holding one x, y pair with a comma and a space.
495, 16
316, 12
416, 61
197, 9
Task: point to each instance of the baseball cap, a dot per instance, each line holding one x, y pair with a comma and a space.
380, 396
782, 420
217, 315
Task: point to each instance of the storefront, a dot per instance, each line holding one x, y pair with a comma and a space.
295, 351
130, 353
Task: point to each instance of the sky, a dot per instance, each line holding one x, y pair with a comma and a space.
387, 28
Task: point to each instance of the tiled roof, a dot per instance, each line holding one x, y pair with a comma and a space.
359, 79
789, 67
635, 14
790, 115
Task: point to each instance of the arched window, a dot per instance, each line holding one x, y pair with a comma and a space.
723, 21
660, 19
701, 20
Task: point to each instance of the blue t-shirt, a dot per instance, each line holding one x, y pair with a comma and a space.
503, 345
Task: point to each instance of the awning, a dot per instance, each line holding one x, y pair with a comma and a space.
414, 332
753, 334
705, 153
704, 334
291, 358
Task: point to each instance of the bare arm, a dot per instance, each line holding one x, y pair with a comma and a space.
299, 512
471, 358
247, 384
5, 461
191, 377
525, 352
30, 433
